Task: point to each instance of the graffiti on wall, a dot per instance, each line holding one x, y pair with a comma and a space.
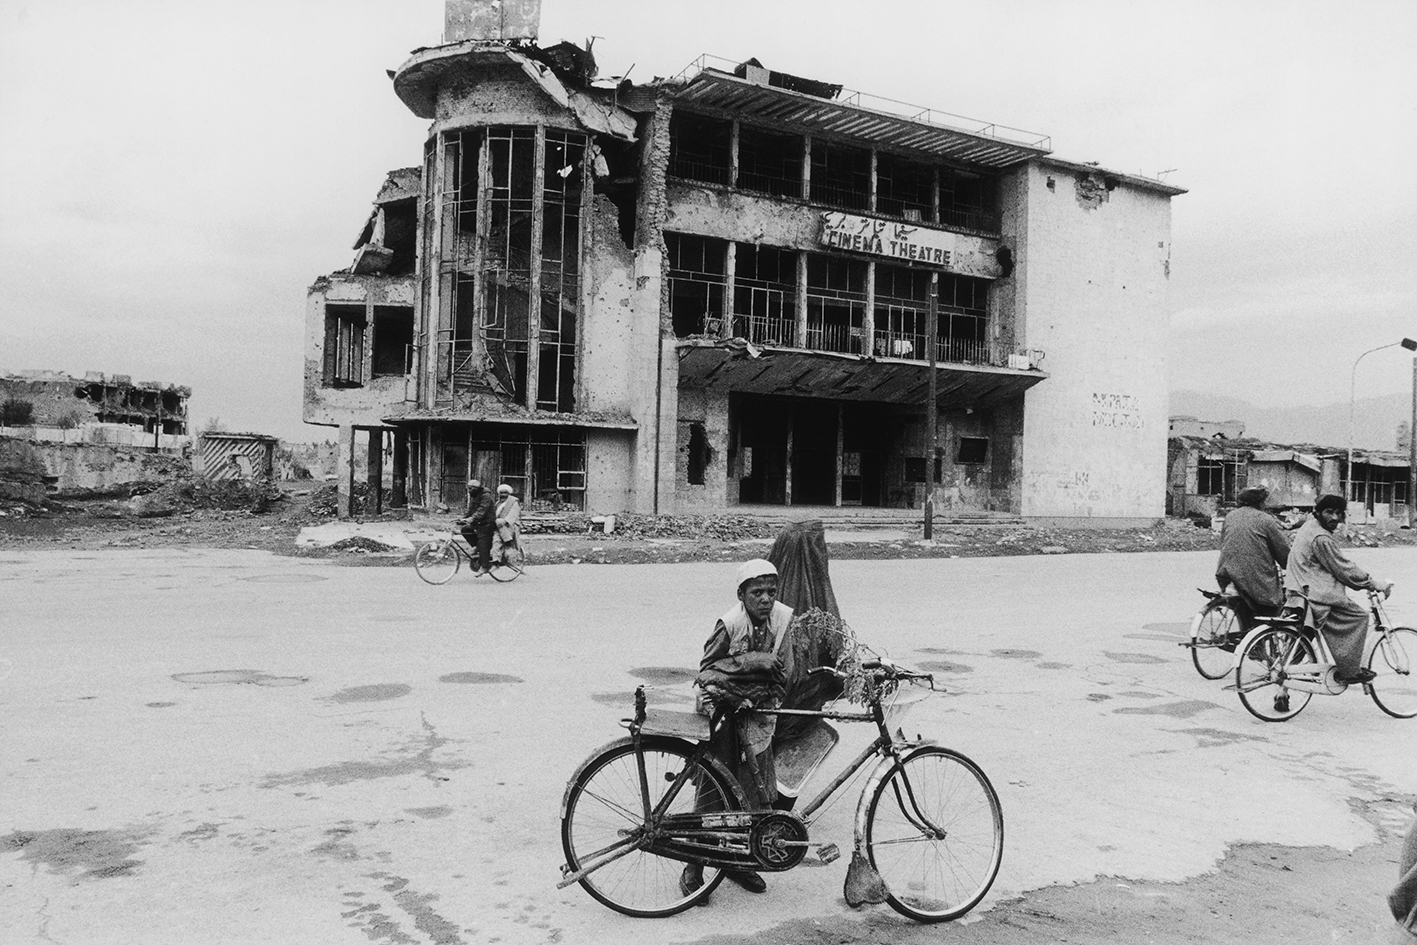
1121, 411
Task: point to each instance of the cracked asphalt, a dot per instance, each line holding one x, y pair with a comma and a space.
230, 746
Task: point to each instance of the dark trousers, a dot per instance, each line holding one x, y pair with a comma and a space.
480, 538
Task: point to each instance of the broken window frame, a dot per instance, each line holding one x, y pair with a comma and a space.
972, 451
344, 345
836, 302
562, 185
902, 307
969, 200
765, 294
392, 348
697, 283
963, 320
700, 147
770, 162
841, 175
905, 188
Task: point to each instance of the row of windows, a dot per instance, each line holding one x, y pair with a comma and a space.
760, 303
834, 175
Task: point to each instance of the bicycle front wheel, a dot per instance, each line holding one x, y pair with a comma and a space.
1212, 632
437, 561
932, 875
604, 808
1265, 665
1392, 659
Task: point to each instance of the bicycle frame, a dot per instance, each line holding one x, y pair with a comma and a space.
726, 839
1317, 677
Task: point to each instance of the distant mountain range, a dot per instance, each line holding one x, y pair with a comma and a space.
1375, 419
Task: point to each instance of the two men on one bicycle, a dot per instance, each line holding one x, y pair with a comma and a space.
745, 663
1253, 547
1319, 570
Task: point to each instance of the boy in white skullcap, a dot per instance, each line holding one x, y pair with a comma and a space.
744, 660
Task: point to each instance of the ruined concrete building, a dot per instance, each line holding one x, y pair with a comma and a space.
57, 400
730, 288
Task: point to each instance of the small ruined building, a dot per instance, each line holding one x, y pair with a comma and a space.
58, 401
738, 288
1206, 475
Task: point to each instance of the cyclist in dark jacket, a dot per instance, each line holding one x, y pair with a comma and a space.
1251, 545
479, 523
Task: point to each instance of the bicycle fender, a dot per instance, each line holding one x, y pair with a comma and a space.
650, 741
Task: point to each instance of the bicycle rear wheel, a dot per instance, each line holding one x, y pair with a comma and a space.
929, 877
437, 561
604, 807
1393, 659
1209, 635
508, 567
1264, 666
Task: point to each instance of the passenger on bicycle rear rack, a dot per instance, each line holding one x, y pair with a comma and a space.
1252, 547
743, 666
1319, 570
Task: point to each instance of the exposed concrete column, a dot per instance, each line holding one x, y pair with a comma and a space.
733, 154
730, 276
840, 441
533, 314
806, 167
801, 329
868, 317
344, 472
375, 476
656, 373
787, 467
399, 497
871, 199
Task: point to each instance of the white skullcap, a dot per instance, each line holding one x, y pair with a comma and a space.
504, 488
473, 482
756, 568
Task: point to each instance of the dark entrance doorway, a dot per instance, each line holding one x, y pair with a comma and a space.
791, 450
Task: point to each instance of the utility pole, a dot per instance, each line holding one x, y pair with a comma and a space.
932, 316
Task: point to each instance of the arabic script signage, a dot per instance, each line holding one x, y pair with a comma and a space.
899, 240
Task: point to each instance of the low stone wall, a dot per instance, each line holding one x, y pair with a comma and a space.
76, 469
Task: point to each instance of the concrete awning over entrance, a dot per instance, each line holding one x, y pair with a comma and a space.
795, 372
485, 413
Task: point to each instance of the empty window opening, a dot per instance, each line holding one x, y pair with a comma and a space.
973, 450
836, 303
765, 294
964, 320
905, 188
699, 147
968, 200
1215, 477
344, 345
700, 454
902, 310
697, 280
506, 263
560, 288
769, 163
841, 176
393, 340
915, 469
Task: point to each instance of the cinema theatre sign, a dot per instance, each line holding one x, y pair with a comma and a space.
893, 239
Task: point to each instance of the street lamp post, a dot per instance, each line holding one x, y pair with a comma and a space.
1407, 343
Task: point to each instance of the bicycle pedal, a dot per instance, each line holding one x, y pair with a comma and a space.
828, 852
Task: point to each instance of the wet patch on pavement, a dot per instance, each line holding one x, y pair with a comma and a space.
238, 677
1140, 658
475, 679
99, 854
429, 813
206, 831
1054, 665
939, 651
337, 847
942, 666
1097, 697
1016, 654
159, 705
1217, 738
1139, 694
1176, 710
379, 692
285, 578
416, 758
379, 926
664, 675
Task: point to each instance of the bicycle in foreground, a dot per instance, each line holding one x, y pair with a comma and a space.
438, 560
928, 829
1281, 665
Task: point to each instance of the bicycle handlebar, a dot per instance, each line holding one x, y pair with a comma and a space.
883, 668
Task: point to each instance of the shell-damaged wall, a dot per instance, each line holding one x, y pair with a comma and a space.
376, 397
1092, 286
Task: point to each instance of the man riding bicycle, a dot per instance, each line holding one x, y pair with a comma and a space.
1252, 548
1319, 570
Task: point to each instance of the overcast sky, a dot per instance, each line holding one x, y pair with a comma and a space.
175, 173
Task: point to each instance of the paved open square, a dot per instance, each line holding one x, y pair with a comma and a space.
230, 746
